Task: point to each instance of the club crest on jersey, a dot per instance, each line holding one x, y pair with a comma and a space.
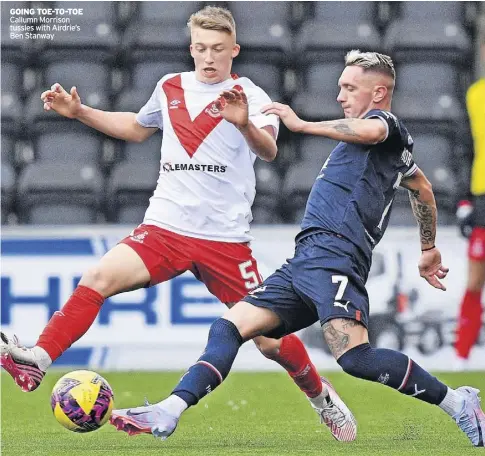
213, 111
174, 104
140, 237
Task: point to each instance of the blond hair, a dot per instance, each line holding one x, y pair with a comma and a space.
371, 61
213, 18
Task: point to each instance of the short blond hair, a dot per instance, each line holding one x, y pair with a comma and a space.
371, 61
213, 18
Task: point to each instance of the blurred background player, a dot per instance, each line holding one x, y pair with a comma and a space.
198, 218
471, 218
346, 216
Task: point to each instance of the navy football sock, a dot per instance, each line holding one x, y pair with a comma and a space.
393, 369
213, 366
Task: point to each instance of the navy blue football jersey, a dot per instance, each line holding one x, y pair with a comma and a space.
352, 195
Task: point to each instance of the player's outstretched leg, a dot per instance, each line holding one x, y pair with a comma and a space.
27, 366
209, 372
202, 378
120, 269
400, 372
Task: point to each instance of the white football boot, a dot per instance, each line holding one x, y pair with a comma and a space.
148, 419
336, 415
471, 419
20, 363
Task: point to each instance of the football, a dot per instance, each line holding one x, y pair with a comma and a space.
82, 401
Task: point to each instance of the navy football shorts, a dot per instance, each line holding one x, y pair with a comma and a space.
324, 280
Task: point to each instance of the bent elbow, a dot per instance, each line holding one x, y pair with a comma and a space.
272, 155
268, 156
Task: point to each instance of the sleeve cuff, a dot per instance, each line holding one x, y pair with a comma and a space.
385, 124
411, 170
143, 124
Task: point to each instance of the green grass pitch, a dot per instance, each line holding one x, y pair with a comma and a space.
250, 414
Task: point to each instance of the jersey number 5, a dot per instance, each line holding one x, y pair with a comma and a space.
251, 276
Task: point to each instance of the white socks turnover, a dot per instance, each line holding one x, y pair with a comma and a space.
42, 358
452, 403
321, 399
173, 405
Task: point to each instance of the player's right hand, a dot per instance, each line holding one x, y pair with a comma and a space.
65, 104
286, 114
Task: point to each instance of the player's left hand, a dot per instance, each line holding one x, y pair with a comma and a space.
431, 269
286, 114
233, 106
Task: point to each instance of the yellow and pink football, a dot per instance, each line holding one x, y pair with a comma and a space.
82, 401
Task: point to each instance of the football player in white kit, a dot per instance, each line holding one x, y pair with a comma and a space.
198, 217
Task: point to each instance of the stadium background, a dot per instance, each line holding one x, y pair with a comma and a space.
68, 193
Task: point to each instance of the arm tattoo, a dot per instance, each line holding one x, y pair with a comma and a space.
426, 217
349, 323
342, 126
337, 341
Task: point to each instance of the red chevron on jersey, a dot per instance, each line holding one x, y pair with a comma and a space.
207, 182
190, 133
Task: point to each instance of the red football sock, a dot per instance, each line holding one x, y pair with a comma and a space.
71, 322
469, 323
294, 358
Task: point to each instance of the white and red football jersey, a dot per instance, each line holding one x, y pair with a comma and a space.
207, 184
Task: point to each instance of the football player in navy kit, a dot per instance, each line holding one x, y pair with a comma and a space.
346, 216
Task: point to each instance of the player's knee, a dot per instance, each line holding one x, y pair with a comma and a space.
99, 280
270, 348
353, 361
